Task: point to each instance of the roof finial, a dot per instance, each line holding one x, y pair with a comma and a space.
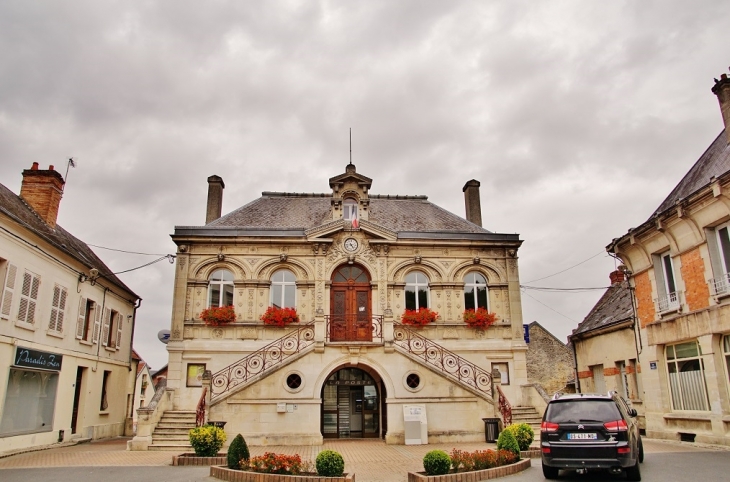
351, 146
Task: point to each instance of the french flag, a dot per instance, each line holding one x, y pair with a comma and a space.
355, 224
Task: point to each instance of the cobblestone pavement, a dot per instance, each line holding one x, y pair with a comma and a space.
371, 460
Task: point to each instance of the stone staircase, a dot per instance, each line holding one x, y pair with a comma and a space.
529, 416
172, 430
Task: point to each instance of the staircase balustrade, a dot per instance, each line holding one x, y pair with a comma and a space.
505, 408
200, 410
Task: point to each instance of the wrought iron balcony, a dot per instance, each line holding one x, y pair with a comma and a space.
720, 286
354, 328
669, 302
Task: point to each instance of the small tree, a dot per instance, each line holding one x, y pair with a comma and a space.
507, 441
330, 464
436, 462
238, 452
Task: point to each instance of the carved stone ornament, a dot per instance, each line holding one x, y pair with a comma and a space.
511, 253
417, 260
283, 257
183, 248
221, 256
218, 333
477, 260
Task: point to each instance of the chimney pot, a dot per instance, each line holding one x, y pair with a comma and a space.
215, 198
617, 276
34, 166
50, 168
472, 202
722, 90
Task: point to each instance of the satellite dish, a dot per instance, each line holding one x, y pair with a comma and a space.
164, 336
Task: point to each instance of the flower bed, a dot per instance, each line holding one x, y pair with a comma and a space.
230, 475
473, 476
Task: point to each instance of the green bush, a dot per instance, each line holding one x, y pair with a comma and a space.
436, 462
237, 452
207, 440
523, 433
507, 441
330, 464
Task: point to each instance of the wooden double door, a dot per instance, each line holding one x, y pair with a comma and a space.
350, 305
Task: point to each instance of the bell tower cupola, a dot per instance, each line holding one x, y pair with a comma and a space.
350, 201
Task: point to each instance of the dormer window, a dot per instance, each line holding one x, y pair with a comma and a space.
349, 209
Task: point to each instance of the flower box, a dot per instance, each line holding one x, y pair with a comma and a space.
280, 316
421, 317
479, 318
475, 475
224, 473
218, 315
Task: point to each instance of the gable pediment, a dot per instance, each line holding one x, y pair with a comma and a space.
329, 229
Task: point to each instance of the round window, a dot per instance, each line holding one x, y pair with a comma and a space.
413, 381
294, 381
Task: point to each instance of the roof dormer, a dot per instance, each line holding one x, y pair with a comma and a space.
350, 199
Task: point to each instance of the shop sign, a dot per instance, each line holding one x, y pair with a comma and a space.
349, 382
25, 357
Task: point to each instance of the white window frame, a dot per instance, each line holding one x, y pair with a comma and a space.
689, 392
349, 209
421, 281
221, 284
475, 286
666, 279
29, 299
718, 242
285, 286
726, 356
503, 368
9, 277
58, 310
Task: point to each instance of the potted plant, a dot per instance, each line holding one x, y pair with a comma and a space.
218, 315
479, 318
420, 317
280, 316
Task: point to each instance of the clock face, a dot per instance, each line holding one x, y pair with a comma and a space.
351, 244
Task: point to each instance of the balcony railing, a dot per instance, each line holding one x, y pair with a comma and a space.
720, 286
355, 328
669, 302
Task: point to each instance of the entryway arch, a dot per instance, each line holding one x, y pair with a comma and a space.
353, 404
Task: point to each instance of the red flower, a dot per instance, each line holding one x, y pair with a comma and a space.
280, 316
480, 318
216, 316
421, 317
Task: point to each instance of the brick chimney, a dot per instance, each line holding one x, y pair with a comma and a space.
42, 190
473, 205
722, 90
215, 198
617, 276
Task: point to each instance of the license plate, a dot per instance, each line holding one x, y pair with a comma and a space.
582, 436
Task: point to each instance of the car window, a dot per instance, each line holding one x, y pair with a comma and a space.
577, 410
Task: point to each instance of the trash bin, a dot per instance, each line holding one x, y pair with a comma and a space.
216, 424
491, 429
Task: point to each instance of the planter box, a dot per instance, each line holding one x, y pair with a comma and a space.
192, 459
473, 476
224, 473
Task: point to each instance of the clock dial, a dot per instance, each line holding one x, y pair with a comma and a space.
351, 244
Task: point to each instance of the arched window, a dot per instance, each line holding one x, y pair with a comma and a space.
283, 289
349, 209
475, 291
220, 288
416, 290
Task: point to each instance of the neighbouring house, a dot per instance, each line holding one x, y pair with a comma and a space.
678, 261
549, 361
144, 388
607, 348
159, 376
66, 326
355, 268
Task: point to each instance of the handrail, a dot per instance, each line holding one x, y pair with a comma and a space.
354, 328
261, 360
505, 408
445, 361
200, 410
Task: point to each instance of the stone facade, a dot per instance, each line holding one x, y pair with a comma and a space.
549, 361
281, 381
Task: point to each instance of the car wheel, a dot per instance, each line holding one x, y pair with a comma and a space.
633, 473
550, 472
641, 451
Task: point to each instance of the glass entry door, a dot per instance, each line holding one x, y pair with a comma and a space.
350, 405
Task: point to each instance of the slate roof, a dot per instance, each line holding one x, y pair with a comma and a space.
12, 206
305, 211
613, 308
714, 162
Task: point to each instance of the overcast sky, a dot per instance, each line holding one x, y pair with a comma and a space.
577, 117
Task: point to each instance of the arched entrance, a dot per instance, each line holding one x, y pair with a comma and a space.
350, 305
353, 404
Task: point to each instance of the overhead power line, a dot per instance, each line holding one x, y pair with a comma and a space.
566, 269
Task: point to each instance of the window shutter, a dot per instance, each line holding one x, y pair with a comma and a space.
81, 319
8, 291
97, 322
105, 329
119, 330
54, 308
28, 297
61, 310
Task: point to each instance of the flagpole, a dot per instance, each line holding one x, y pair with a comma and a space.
71, 163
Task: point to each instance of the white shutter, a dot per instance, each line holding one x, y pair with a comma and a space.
119, 330
61, 310
54, 308
105, 329
81, 319
28, 297
97, 322
8, 291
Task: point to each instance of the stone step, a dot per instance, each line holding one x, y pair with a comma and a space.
170, 447
171, 436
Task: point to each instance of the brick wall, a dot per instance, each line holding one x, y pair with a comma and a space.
696, 291
644, 301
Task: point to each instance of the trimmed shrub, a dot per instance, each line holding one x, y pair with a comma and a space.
207, 440
330, 464
507, 441
436, 462
523, 433
237, 453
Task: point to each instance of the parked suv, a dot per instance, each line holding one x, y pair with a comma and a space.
590, 431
